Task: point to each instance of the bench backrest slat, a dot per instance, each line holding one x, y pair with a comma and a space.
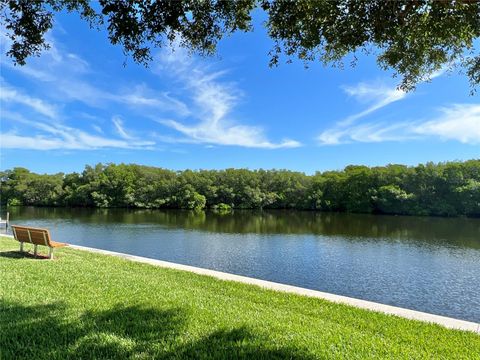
31, 235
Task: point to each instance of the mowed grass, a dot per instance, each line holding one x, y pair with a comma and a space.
90, 306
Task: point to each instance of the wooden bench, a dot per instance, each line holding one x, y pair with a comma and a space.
35, 236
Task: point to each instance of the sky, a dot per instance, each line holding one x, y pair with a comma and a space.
84, 102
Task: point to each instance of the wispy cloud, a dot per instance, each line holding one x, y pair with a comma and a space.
377, 95
452, 123
97, 128
56, 136
49, 66
118, 123
369, 132
71, 139
143, 98
203, 115
458, 122
222, 134
10, 95
67, 77
213, 99
64, 77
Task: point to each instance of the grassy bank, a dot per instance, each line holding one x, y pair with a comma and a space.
83, 305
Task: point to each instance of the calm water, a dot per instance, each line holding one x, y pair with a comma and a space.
426, 264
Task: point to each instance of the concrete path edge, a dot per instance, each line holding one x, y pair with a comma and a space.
363, 304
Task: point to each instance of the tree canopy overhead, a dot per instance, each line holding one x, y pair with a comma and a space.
414, 38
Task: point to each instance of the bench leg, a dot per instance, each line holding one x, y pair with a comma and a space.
35, 250
21, 246
50, 253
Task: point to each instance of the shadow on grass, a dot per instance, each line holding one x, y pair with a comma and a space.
124, 332
13, 254
22, 255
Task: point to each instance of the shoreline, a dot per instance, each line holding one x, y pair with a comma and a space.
444, 321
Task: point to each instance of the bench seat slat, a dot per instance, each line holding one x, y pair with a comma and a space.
56, 244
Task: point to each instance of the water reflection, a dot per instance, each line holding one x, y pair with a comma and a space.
449, 231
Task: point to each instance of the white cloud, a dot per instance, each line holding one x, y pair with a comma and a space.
214, 101
66, 138
118, 123
11, 95
378, 95
53, 135
53, 65
220, 134
97, 129
78, 140
142, 97
370, 132
63, 77
14, 141
459, 122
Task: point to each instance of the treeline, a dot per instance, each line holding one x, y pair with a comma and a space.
444, 189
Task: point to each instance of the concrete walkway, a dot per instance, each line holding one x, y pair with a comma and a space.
363, 304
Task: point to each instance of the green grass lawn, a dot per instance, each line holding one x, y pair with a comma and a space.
90, 306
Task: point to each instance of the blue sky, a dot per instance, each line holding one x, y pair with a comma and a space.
78, 104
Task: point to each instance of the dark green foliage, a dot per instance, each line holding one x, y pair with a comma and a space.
20, 186
445, 189
413, 38
391, 199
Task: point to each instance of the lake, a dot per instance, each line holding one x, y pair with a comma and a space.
421, 263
